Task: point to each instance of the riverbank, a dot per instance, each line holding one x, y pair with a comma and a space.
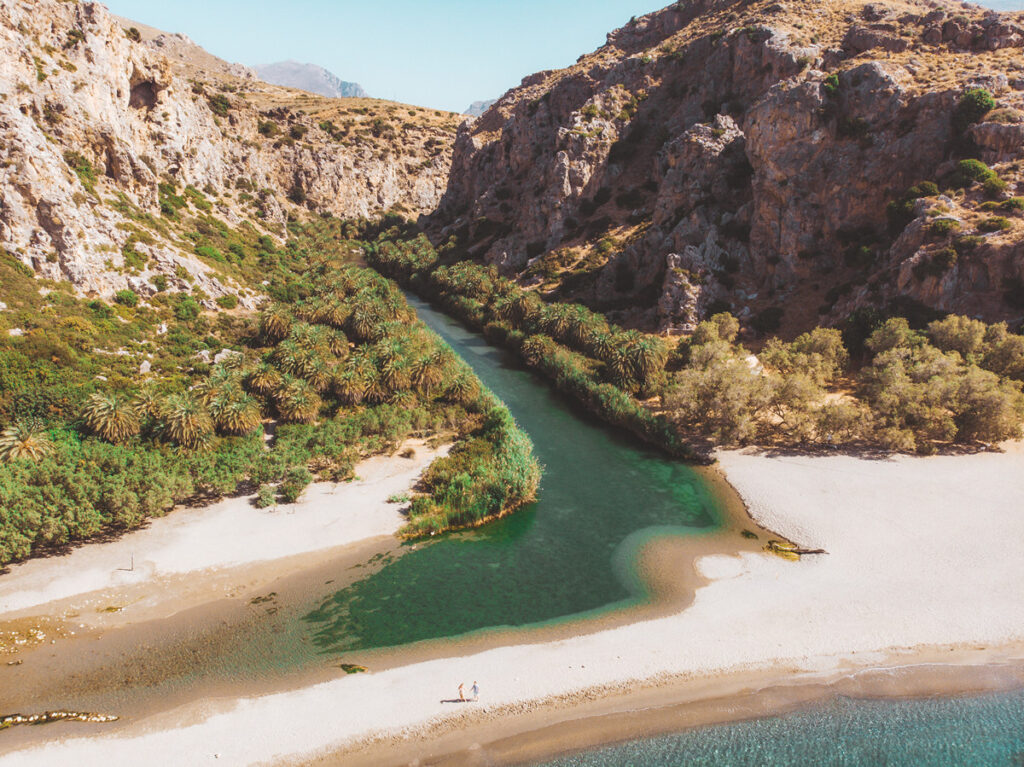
923, 565
195, 555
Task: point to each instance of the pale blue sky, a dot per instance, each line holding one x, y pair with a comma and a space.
442, 54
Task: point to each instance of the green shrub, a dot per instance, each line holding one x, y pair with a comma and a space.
220, 104
210, 252
83, 169
266, 496
159, 281
296, 481
994, 187
229, 301
187, 308
901, 211
126, 298
268, 128
995, 224
943, 227
975, 104
970, 171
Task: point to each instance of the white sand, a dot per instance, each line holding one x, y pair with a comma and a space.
922, 553
228, 534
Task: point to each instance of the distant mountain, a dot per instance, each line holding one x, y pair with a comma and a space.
309, 77
477, 108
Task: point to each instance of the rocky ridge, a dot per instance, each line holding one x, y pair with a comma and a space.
747, 155
477, 108
309, 77
100, 131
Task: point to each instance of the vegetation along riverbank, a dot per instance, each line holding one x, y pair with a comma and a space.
335, 369
885, 383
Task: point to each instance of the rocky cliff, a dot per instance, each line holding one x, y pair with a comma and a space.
104, 138
757, 156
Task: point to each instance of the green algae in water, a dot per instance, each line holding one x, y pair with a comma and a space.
981, 731
562, 556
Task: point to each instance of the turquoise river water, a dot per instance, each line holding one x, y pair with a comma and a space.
570, 553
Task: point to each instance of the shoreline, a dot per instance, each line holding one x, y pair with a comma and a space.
205, 549
560, 727
900, 561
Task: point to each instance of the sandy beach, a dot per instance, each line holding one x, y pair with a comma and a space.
923, 562
191, 555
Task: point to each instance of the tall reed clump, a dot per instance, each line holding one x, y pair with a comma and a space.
490, 473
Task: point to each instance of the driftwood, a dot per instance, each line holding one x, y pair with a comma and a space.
788, 550
52, 716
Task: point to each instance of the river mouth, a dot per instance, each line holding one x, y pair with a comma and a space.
612, 540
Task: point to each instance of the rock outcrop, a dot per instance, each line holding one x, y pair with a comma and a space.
743, 154
98, 129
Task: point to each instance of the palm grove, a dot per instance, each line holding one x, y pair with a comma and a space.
344, 369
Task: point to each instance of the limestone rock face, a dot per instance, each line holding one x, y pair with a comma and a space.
93, 119
743, 155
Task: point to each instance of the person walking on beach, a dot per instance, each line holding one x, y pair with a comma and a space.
475, 690
462, 695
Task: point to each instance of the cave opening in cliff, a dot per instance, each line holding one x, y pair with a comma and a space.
143, 95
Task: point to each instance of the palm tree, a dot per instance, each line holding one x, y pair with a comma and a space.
309, 309
376, 391
395, 374
147, 402
428, 372
264, 379
556, 320
111, 418
648, 356
337, 344
463, 389
362, 323
297, 402
235, 412
220, 379
526, 309
403, 399
349, 386
275, 323
318, 374
583, 325
291, 358
504, 307
620, 368
185, 421
534, 348
602, 346
25, 440
312, 338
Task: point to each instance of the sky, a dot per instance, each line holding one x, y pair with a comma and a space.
442, 54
